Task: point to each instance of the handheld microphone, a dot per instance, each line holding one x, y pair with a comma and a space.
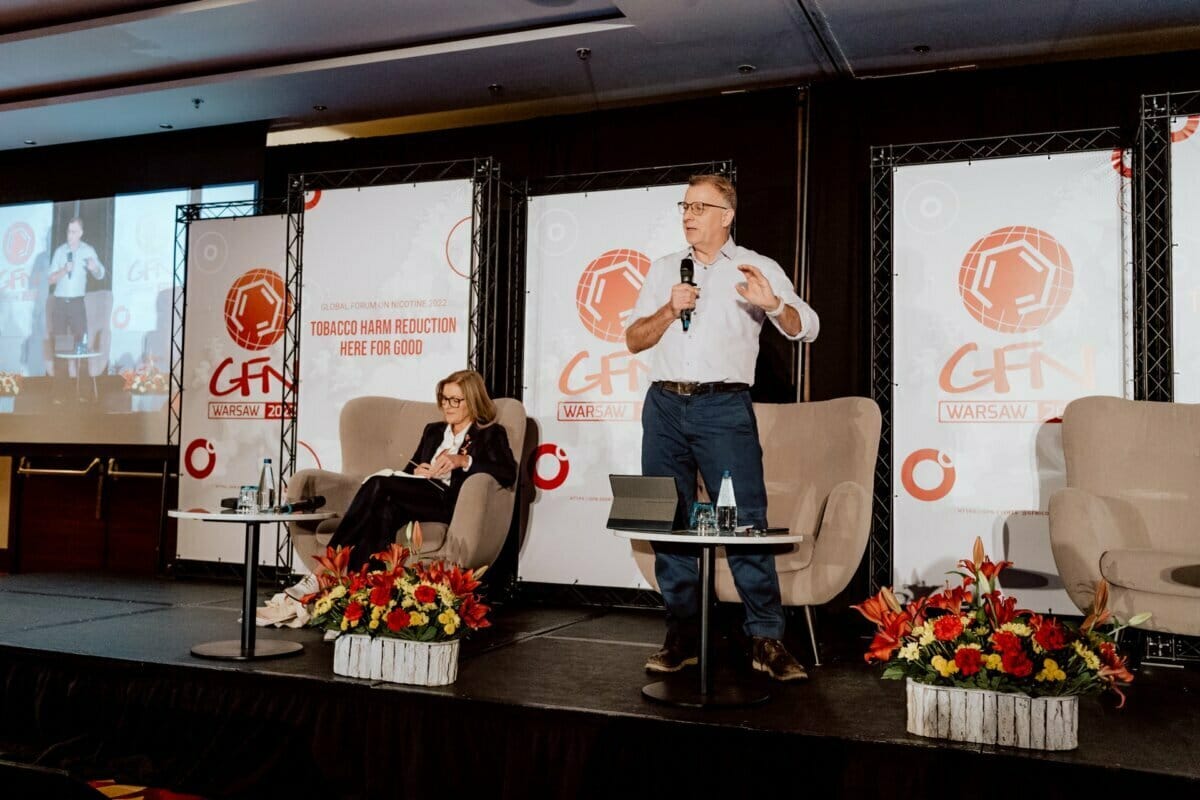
70, 263
686, 270
308, 504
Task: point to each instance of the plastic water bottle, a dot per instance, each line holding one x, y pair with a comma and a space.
266, 487
726, 504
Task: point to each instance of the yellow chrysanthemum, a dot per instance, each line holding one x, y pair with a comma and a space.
418, 619
927, 638
910, 651
446, 594
919, 630
323, 605
1089, 658
944, 667
338, 591
1019, 628
373, 624
993, 661
1051, 671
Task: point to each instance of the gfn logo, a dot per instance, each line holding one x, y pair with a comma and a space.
607, 291
256, 309
18, 243
1016, 279
931, 464
562, 467
202, 450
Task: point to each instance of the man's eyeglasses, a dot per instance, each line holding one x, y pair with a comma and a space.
453, 402
697, 207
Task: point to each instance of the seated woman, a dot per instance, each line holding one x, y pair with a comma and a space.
467, 443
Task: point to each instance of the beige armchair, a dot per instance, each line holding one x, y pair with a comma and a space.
1130, 509
819, 468
379, 432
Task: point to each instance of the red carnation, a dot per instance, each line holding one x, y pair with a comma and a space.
1050, 635
380, 595
354, 612
948, 628
969, 660
1006, 642
425, 594
1016, 663
398, 620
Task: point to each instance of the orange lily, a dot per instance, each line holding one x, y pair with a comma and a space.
878, 608
1100, 613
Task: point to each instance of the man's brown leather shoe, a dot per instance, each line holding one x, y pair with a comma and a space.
771, 657
674, 656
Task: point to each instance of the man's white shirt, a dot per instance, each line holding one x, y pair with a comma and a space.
721, 343
75, 284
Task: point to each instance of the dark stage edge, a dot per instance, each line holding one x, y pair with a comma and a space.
96, 678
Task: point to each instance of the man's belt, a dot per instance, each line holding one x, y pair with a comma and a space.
687, 389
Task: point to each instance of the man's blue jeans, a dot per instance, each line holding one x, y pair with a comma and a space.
710, 433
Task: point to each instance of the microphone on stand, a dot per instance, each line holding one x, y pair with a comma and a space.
686, 270
308, 504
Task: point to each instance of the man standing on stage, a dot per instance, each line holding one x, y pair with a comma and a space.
70, 266
698, 414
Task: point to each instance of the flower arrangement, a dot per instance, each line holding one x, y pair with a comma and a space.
424, 602
972, 637
10, 383
146, 379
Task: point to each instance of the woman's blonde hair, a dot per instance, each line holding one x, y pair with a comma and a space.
479, 404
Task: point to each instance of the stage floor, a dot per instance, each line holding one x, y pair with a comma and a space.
578, 666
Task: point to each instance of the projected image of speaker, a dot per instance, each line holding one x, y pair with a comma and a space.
85, 315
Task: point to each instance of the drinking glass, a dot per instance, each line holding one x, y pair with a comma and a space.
704, 518
247, 500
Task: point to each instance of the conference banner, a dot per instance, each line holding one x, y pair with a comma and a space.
587, 256
1185, 256
385, 303
232, 412
1010, 300
24, 287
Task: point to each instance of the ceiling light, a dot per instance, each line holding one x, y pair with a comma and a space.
166, 126
746, 69
320, 107
583, 53
30, 141
921, 49
495, 88
197, 102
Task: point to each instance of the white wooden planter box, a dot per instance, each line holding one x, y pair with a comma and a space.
975, 715
396, 660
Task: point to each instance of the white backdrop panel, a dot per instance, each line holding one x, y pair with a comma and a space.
586, 257
232, 357
1185, 256
385, 301
1009, 301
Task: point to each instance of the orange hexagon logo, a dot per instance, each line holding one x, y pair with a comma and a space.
607, 290
1016, 279
256, 309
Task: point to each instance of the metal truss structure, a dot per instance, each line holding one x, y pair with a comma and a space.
647, 177
884, 161
1153, 323
185, 215
496, 277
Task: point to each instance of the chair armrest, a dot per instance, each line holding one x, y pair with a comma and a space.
338, 489
841, 539
1083, 526
482, 516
